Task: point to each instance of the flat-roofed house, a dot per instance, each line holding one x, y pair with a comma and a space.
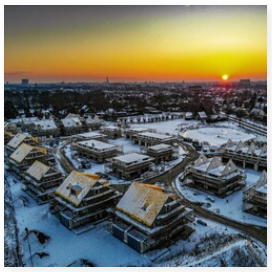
152, 138
71, 126
44, 128
161, 152
96, 150
25, 155
255, 197
146, 217
40, 181
130, 166
113, 132
84, 198
18, 139
214, 177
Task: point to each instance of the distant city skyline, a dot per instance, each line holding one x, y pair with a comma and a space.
135, 43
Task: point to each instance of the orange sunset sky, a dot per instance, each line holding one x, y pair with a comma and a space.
136, 43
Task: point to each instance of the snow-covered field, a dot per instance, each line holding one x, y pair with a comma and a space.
176, 126
216, 135
230, 206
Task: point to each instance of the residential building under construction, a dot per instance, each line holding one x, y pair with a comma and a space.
146, 217
83, 198
214, 177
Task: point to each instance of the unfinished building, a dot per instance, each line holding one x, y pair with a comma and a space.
84, 198
40, 181
214, 177
130, 166
112, 132
96, 150
152, 138
146, 217
44, 128
130, 133
247, 155
162, 152
90, 136
255, 197
25, 155
18, 139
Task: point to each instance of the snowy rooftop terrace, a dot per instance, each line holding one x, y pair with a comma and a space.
90, 135
160, 147
97, 145
132, 158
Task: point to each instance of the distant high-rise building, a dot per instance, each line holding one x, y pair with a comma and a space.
25, 81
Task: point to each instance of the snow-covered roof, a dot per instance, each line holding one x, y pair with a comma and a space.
47, 124
138, 129
155, 135
142, 202
132, 158
16, 140
76, 186
244, 148
90, 135
214, 166
202, 114
71, 122
97, 145
160, 147
94, 119
23, 150
111, 128
37, 170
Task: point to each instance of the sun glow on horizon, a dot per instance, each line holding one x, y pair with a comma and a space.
225, 77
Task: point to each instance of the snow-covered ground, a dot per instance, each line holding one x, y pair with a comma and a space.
230, 206
216, 135
176, 126
96, 245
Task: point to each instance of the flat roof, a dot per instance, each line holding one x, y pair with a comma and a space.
98, 145
160, 147
155, 135
90, 135
133, 157
138, 129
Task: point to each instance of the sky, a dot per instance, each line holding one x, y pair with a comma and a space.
134, 43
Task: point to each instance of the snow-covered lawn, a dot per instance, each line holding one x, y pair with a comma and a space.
230, 206
216, 135
176, 126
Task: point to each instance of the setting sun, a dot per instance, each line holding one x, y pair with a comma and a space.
225, 77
